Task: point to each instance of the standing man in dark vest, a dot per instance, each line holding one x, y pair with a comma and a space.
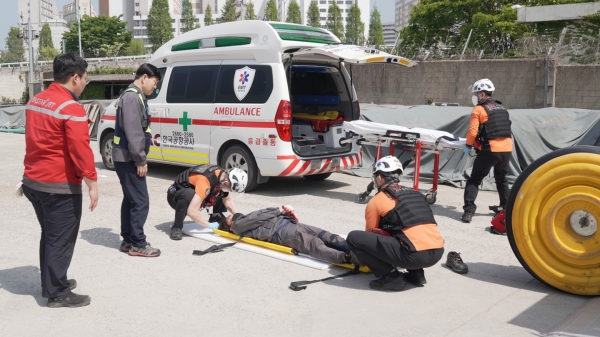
490, 133
400, 232
200, 187
131, 146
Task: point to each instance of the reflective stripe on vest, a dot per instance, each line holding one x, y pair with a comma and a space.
116, 137
56, 113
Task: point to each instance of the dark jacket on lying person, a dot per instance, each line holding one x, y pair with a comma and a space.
273, 225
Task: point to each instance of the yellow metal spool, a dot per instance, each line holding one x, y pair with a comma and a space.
552, 219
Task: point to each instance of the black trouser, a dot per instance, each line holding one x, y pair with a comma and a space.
135, 205
481, 167
59, 216
382, 253
312, 241
180, 201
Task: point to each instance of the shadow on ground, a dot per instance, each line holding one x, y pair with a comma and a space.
23, 280
102, 237
292, 186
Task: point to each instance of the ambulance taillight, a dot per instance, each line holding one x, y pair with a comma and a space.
283, 121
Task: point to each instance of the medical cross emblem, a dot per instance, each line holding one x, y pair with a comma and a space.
185, 121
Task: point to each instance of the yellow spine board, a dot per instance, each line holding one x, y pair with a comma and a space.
279, 248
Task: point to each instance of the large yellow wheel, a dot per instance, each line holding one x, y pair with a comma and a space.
552, 219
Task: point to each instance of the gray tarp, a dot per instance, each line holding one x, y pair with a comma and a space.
12, 117
535, 133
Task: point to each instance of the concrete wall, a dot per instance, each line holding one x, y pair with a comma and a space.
519, 83
13, 82
578, 87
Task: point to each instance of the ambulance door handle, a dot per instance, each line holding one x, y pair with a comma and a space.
154, 112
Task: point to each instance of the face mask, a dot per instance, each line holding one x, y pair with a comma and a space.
474, 100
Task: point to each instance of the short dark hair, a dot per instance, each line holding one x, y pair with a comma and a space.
390, 176
223, 225
66, 65
148, 70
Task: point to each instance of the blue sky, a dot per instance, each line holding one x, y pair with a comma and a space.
9, 16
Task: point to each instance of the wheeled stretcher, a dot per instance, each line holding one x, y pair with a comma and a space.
416, 140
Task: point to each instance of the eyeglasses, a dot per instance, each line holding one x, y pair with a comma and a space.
87, 80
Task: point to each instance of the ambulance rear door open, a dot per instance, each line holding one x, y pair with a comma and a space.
318, 137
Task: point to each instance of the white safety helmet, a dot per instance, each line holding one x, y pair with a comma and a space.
482, 85
238, 179
388, 164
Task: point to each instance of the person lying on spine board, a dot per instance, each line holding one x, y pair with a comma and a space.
280, 226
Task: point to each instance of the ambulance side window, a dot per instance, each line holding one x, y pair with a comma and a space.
192, 84
162, 72
259, 78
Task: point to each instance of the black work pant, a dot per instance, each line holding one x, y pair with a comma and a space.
135, 205
312, 241
59, 216
180, 201
382, 253
481, 167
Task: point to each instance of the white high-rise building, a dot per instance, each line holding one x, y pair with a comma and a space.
389, 33
41, 12
364, 5
111, 7
402, 12
70, 10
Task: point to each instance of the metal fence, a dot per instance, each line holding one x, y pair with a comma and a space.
89, 60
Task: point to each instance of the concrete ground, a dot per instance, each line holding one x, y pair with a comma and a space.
244, 294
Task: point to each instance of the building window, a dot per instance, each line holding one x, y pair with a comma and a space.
323, 10
348, 2
136, 23
323, 2
173, 30
340, 2
172, 20
137, 4
137, 13
196, 20
323, 18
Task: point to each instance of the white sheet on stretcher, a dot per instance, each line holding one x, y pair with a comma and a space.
427, 136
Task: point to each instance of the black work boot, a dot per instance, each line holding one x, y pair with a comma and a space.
393, 281
72, 284
70, 300
467, 216
416, 277
176, 234
455, 262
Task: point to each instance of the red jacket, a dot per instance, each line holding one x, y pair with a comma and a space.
58, 153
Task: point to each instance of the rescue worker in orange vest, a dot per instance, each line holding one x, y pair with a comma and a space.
400, 232
490, 133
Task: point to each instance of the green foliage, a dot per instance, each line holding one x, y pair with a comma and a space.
187, 17
46, 37
15, 50
47, 54
335, 22
271, 13
355, 28
159, 24
250, 14
313, 16
135, 48
294, 15
229, 12
97, 32
107, 70
375, 29
208, 20
93, 91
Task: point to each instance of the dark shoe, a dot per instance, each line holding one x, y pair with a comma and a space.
393, 281
125, 246
70, 300
352, 259
455, 262
493, 230
72, 284
467, 216
496, 209
147, 251
416, 277
176, 234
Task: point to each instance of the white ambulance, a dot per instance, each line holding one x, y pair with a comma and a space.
266, 97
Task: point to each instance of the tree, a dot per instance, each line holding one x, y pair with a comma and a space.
376, 29
188, 17
95, 32
335, 22
159, 24
47, 53
250, 14
271, 13
135, 48
355, 28
15, 50
46, 37
208, 16
294, 15
313, 16
229, 12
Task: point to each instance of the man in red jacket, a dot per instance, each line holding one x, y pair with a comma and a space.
57, 158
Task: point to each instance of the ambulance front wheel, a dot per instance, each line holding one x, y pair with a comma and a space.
318, 177
107, 145
237, 156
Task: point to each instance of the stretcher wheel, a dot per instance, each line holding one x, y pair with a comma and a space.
362, 197
431, 197
552, 219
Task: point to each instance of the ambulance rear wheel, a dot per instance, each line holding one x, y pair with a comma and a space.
318, 177
239, 157
552, 219
106, 151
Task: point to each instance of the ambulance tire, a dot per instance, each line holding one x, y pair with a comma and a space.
318, 177
106, 152
239, 156
552, 219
